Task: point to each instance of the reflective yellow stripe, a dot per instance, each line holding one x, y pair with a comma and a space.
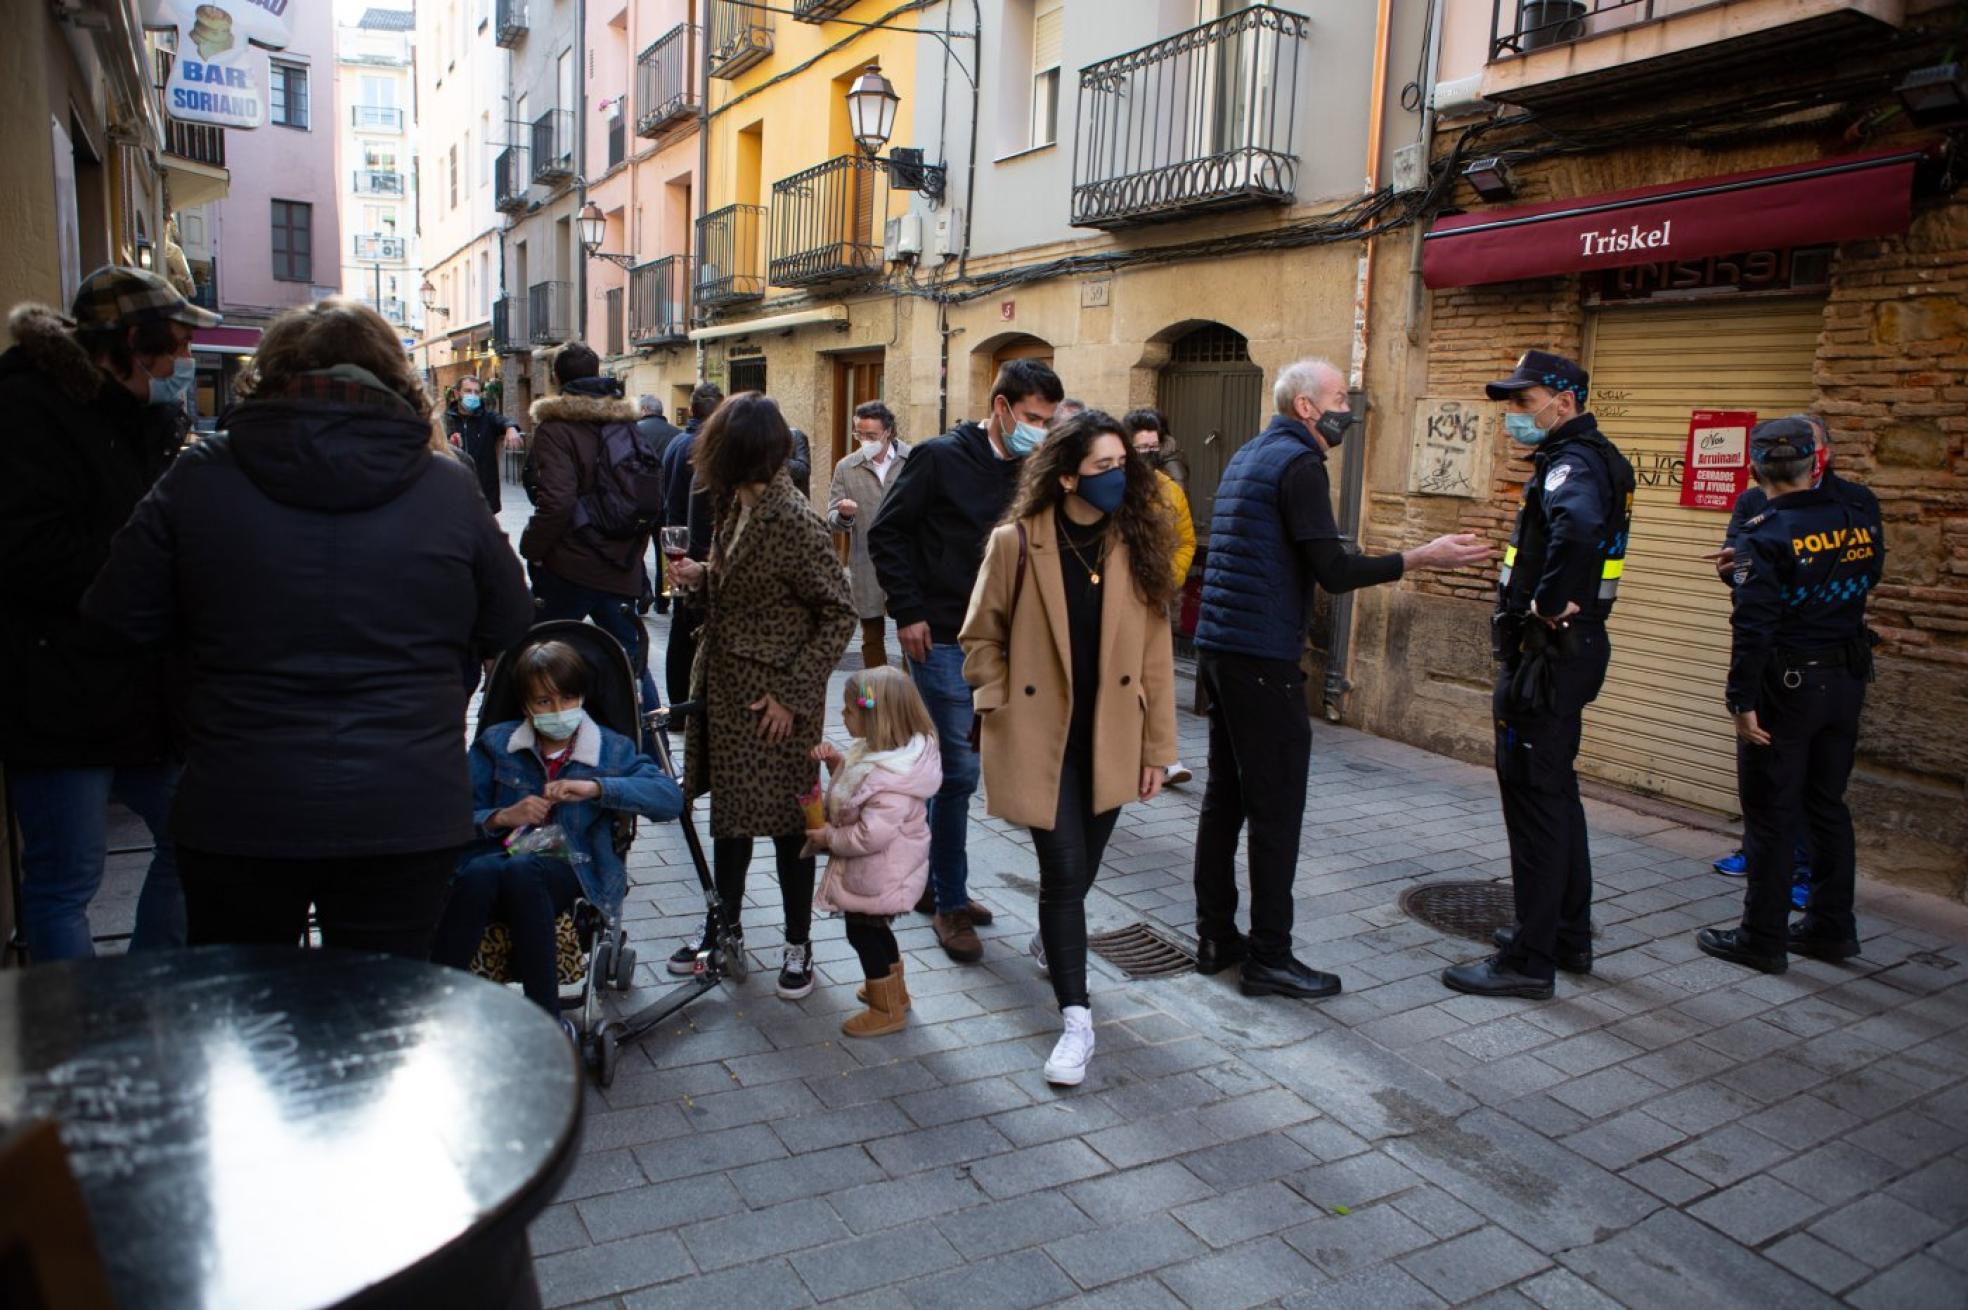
1509, 555
1613, 568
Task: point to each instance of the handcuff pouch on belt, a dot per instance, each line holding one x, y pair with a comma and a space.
1526, 648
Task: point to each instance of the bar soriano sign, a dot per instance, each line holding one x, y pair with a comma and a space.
220, 75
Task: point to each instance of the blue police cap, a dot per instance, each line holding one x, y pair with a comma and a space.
1538, 368
1792, 437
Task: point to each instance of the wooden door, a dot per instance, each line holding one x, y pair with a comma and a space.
1214, 398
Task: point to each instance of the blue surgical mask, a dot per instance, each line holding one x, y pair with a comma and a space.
1103, 491
1523, 428
174, 389
559, 725
470, 403
1023, 439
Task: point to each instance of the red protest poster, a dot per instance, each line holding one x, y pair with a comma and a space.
1716, 470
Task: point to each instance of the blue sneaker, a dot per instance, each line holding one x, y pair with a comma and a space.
1800, 887
1733, 866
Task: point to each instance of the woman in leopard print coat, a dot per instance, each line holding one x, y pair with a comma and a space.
778, 614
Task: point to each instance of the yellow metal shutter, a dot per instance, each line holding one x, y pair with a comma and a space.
1660, 726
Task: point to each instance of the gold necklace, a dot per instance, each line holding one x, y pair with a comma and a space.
1099, 561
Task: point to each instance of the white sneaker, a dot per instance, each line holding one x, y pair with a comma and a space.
1037, 949
1068, 1065
1176, 774
796, 974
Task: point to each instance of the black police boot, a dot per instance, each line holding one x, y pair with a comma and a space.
1810, 937
1728, 944
1214, 955
1496, 976
1569, 961
1288, 979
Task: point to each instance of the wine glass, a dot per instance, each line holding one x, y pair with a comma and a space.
675, 542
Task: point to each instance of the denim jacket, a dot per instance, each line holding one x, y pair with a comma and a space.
506, 767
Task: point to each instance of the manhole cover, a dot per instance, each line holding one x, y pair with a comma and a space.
1471, 910
1140, 952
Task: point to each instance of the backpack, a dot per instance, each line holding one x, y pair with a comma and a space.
624, 496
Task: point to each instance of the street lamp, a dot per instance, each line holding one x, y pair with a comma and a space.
428, 294
593, 227
871, 105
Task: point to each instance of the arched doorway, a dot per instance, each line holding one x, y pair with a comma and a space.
1214, 398
992, 354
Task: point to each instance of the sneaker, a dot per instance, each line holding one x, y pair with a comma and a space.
1037, 948
1800, 892
683, 961
1068, 1063
796, 974
1733, 866
1176, 774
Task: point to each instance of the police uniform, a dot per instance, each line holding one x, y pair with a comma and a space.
1799, 658
1569, 546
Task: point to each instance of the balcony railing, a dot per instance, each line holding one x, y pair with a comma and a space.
1520, 26
509, 179
827, 223
553, 146
199, 142
378, 182
659, 301
549, 312
392, 309
505, 339
205, 295
741, 35
376, 118
729, 267
813, 11
509, 23
1199, 121
374, 245
666, 80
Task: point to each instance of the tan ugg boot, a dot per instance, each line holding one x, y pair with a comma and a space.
885, 1013
895, 971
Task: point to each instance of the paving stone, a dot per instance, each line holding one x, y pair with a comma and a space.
1327, 1140
1728, 1155
1008, 1282
1144, 1293
658, 1207
886, 1205
1110, 1254
1366, 1089
875, 1261
1341, 1244
928, 1148
771, 1285
749, 1105
1561, 1289
1248, 1160
601, 1171
1878, 1230
1239, 1216
1383, 1287
1920, 1283
1755, 1210
1939, 1189
1354, 1182
556, 1228
1037, 1167
1242, 1276
861, 1086
1908, 1138
1669, 1259
1576, 1056
758, 1234
844, 1127
1012, 1225
971, 1100
1835, 1172
709, 1153
609, 1269
1606, 1092
1138, 1192
1437, 1211
1821, 1265
1051, 1121
1625, 1139
816, 1173
1466, 1267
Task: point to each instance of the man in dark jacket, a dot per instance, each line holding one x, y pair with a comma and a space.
481, 432
687, 505
927, 543
94, 408
658, 432
577, 572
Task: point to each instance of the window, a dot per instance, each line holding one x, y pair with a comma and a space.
454, 177
289, 95
378, 92
1048, 32
293, 241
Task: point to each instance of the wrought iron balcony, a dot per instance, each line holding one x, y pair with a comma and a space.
659, 301
1197, 122
376, 118
729, 267
509, 179
509, 24
378, 182
549, 312
741, 35
199, 142
666, 80
375, 245
814, 11
827, 223
505, 340
391, 308
553, 146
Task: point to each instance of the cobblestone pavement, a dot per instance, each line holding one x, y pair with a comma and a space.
1672, 1131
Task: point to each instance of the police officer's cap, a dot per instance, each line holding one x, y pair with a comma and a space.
1538, 368
1791, 437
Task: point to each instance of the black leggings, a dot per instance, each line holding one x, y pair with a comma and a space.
874, 941
1069, 857
733, 856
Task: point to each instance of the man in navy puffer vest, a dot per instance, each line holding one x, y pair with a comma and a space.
1272, 536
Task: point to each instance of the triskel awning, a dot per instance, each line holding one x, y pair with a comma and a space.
1801, 204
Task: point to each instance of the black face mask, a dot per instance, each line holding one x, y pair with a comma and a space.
1333, 425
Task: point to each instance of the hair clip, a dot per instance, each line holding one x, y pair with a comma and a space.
865, 696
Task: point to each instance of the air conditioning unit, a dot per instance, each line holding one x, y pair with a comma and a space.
1462, 97
902, 238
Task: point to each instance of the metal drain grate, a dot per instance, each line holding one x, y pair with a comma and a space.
1472, 910
1140, 952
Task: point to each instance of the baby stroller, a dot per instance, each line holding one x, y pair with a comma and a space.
605, 959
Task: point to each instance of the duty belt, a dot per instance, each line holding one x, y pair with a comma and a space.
1609, 573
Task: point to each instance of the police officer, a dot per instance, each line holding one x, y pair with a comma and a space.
1557, 586
480, 432
1798, 665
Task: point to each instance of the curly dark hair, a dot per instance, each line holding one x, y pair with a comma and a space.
1143, 519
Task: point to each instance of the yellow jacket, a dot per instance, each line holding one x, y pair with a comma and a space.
1185, 527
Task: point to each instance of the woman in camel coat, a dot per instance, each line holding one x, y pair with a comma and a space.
1069, 656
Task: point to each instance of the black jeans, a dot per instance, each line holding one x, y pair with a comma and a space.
1798, 781
526, 893
733, 856
386, 903
1069, 860
556, 598
1536, 751
681, 651
874, 944
1260, 750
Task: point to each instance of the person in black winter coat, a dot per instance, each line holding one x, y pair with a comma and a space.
481, 432
686, 504
333, 582
91, 424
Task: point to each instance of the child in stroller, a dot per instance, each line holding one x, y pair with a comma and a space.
546, 792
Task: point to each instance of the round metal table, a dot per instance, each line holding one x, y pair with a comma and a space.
269, 1127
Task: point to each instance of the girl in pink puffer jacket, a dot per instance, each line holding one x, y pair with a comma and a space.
877, 832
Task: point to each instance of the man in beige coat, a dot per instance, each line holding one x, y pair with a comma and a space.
860, 480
